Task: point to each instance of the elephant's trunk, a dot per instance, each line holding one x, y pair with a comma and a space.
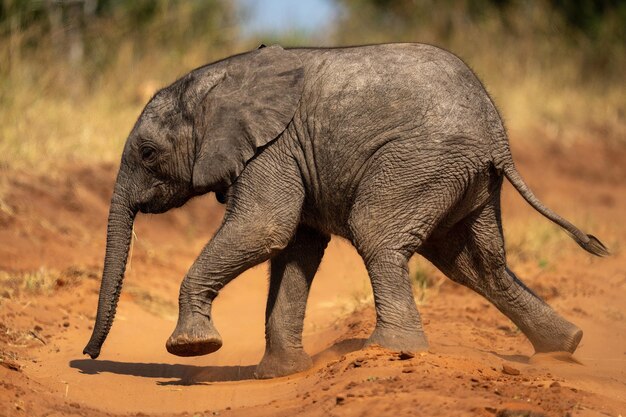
119, 233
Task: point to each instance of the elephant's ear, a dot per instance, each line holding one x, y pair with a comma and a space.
251, 103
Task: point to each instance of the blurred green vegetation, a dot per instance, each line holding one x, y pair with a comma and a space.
74, 74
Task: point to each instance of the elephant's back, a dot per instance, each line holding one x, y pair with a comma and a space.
397, 102
383, 86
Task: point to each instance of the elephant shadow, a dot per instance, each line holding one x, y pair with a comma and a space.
197, 375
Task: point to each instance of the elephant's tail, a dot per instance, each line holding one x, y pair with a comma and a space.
588, 242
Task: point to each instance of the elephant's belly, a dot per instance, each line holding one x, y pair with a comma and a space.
328, 218
481, 189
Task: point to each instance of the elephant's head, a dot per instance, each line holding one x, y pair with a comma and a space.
193, 137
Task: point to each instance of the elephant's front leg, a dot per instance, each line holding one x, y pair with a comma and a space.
236, 247
291, 274
262, 216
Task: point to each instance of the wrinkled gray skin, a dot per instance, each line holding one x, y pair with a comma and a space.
397, 148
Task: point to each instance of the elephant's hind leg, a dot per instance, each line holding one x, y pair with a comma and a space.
398, 323
472, 254
388, 223
291, 275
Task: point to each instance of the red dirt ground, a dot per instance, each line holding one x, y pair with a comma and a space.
52, 244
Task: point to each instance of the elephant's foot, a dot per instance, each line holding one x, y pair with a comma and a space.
194, 336
276, 363
555, 335
394, 339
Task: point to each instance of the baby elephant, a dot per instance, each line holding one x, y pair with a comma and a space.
397, 148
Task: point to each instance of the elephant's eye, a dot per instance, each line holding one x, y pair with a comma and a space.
148, 153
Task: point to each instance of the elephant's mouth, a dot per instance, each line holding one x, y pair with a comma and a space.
161, 198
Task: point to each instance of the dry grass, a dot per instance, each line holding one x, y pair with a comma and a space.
45, 125
41, 281
537, 242
53, 113
542, 73
153, 304
45, 281
427, 279
31, 282
562, 108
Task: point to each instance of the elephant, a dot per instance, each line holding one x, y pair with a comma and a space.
397, 148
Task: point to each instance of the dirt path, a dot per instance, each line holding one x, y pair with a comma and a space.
52, 240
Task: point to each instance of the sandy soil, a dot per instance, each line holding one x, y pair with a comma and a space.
52, 242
